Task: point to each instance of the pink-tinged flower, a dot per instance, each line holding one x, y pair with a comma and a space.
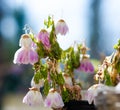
54, 100
26, 54
68, 79
43, 36
61, 27
93, 91
33, 98
39, 85
86, 66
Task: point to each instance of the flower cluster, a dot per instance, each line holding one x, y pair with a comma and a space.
108, 77
109, 71
47, 57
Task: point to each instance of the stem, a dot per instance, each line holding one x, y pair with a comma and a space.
72, 76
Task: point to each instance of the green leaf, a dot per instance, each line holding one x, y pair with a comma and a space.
40, 50
43, 70
69, 65
117, 46
33, 38
53, 76
76, 59
65, 95
79, 47
46, 87
48, 22
60, 79
45, 22
56, 51
52, 35
108, 80
37, 77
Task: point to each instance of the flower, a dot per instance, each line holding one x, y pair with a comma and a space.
26, 54
33, 97
53, 99
86, 66
94, 90
43, 36
61, 27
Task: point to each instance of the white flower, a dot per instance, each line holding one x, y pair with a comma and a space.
33, 97
39, 85
54, 100
61, 27
94, 90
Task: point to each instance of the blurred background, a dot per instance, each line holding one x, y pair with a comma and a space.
96, 22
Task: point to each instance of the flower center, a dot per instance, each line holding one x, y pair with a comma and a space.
61, 20
34, 89
24, 36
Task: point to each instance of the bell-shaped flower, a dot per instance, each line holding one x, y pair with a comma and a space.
33, 98
26, 54
86, 66
39, 85
43, 36
68, 79
93, 91
61, 27
54, 100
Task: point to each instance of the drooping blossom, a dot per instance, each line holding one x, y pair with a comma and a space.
39, 85
61, 27
26, 54
86, 65
93, 91
33, 98
53, 99
43, 36
68, 79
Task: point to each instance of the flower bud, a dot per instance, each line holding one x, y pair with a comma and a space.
43, 36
